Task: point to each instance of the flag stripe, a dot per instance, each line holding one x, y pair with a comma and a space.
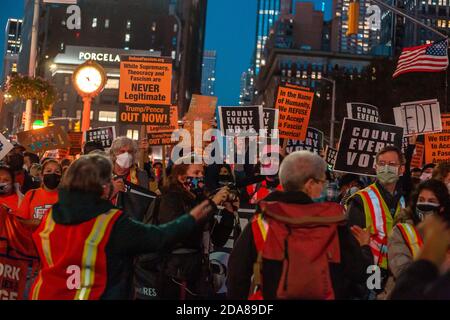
427, 58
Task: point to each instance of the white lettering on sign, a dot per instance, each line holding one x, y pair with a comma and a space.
74, 20
105, 57
9, 272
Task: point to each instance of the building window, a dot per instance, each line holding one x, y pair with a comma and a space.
64, 113
61, 46
133, 134
107, 116
106, 23
128, 24
66, 81
65, 96
127, 37
154, 26
175, 28
92, 114
94, 23
78, 114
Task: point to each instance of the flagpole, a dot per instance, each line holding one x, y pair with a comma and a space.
446, 90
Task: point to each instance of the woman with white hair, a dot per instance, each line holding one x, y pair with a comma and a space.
303, 178
123, 155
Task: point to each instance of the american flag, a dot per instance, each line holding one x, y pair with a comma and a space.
431, 57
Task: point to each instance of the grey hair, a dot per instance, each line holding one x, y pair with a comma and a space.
121, 142
298, 167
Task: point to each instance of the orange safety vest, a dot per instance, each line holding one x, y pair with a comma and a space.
412, 238
379, 222
259, 191
73, 250
259, 229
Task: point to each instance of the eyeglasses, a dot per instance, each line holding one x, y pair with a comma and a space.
392, 164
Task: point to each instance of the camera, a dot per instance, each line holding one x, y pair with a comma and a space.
234, 191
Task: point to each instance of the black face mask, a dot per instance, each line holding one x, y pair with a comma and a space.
225, 179
52, 180
15, 162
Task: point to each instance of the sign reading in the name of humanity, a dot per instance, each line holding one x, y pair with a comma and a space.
437, 146
104, 136
270, 120
313, 142
330, 155
145, 80
419, 117
295, 104
417, 158
246, 120
160, 139
5, 146
144, 115
363, 111
40, 140
360, 142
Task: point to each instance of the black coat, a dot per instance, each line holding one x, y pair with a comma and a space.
345, 276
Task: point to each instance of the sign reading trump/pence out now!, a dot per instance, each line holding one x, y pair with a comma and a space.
144, 115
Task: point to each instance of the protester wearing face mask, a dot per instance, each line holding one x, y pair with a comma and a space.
84, 229
37, 202
375, 208
15, 160
442, 173
182, 271
8, 196
427, 172
123, 155
406, 240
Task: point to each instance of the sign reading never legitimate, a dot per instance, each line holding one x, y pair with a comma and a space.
360, 142
241, 120
313, 142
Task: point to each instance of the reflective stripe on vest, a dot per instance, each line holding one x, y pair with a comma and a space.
379, 222
88, 264
411, 237
260, 228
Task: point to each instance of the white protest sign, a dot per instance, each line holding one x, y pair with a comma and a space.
5, 146
419, 117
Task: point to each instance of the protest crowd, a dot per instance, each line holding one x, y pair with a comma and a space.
99, 226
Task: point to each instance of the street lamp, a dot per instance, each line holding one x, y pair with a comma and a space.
333, 109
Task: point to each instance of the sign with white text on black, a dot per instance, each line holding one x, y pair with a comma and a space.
330, 155
105, 136
241, 120
363, 111
313, 142
270, 120
360, 142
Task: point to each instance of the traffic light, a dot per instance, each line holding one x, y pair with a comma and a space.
353, 18
77, 127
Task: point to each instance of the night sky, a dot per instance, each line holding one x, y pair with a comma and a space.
230, 31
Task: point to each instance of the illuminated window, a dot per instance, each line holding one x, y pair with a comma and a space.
154, 26
107, 116
128, 24
107, 23
133, 134
94, 23
127, 37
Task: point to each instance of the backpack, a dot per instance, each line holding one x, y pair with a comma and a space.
304, 238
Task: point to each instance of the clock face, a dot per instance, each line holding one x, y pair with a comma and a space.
89, 79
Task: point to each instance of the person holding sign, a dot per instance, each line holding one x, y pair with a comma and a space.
374, 209
8, 197
406, 240
36, 202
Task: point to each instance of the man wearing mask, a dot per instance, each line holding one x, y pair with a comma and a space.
375, 208
427, 172
15, 161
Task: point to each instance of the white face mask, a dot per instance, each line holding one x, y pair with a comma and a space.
125, 160
426, 176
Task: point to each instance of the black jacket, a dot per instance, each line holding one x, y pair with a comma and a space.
350, 272
422, 281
